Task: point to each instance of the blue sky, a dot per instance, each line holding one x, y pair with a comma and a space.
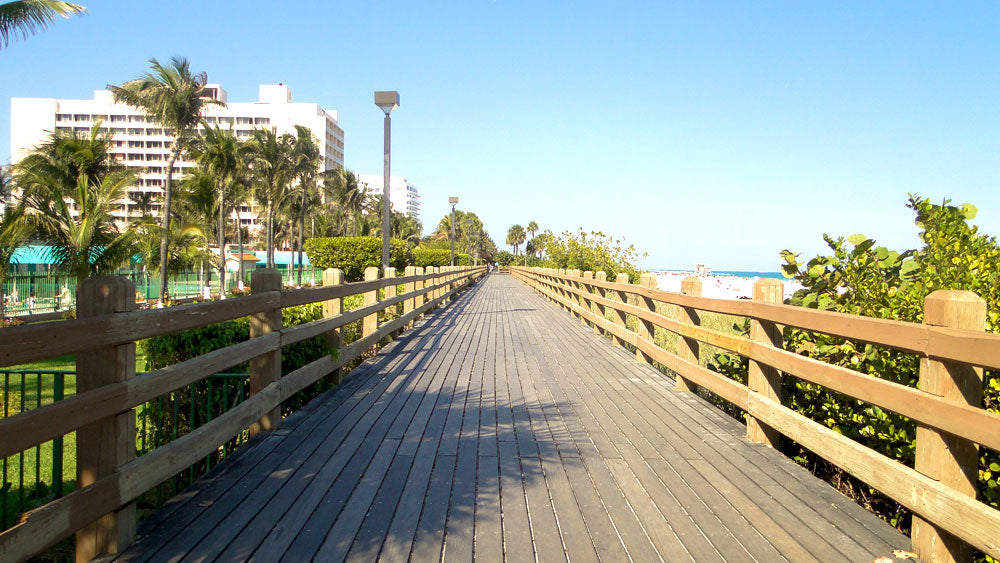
701, 132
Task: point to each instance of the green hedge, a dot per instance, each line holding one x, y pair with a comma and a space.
423, 257
354, 254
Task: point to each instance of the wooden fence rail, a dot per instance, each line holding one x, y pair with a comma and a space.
947, 407
109, 475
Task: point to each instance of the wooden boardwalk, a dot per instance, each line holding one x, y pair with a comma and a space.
502, 429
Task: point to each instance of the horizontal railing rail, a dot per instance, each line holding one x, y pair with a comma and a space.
942, 499
104, 344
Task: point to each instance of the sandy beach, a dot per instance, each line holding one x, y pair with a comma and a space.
719, 286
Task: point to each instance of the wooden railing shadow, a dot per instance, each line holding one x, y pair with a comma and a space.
952, 423
102, 414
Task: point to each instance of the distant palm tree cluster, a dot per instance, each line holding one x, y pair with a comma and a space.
69, 186
518, 235
470, 236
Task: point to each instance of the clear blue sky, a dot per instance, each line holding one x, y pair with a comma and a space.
717, 133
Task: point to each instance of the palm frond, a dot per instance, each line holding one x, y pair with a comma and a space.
28, 17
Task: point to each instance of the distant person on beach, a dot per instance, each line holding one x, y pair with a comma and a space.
31, 303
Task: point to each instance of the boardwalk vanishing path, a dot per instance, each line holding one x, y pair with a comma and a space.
502, 429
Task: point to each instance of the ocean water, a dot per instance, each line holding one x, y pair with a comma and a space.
735, 273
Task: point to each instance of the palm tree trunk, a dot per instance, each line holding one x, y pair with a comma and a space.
165, 239
222, 241
302, 232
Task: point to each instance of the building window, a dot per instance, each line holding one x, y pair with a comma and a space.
81, 117
64, 117
262, 121
134, 131
211, 119
154, 131
135, 144
244, 121
117, 118
225, 121
64, 129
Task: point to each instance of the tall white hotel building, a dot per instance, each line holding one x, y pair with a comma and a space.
139, 142
403, 196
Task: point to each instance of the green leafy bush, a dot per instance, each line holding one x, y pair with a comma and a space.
504, 258
423, 257
354, 254
594, 251
861, 278
161, 351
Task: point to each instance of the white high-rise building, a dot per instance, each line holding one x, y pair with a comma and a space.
139, 142
403, 196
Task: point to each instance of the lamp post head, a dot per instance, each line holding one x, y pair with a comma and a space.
453, 201
387, 101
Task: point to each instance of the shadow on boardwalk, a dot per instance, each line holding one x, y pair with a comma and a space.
500, 430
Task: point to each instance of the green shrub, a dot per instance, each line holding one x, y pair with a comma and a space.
860, 278
423, 257
161, 351
504, 258
354, 254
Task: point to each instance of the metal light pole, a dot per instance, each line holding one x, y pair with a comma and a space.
386, 101
453, 201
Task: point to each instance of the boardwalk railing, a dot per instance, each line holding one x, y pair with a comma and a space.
102, 413
951, 423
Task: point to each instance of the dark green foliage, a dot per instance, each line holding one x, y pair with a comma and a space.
861, 278
354, 254
504, 258
423, 257
161, 351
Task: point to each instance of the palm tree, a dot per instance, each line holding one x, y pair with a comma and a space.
174, 97
515, 237
70, 189
28, 17
269, 158
532, 228
305, 167
219, 154
14, 232
341, 186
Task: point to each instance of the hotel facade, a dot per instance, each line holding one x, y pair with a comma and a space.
403, 196
140, 143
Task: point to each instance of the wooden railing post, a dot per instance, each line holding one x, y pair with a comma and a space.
951, 460
619, 316
409, 287
419, 300
585, 302
390, 291
597, 307
369, 324
763, 378
105, 445
265, 369
687, 348
332, 308
645, 328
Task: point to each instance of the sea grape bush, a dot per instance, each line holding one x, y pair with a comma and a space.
861, 278
593, 251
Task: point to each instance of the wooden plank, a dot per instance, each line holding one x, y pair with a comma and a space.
265, 369
624, 400
428, 542
762, 378
23, 344
516, 527
106, 444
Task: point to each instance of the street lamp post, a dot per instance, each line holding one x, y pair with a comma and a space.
386, 101
453, 201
